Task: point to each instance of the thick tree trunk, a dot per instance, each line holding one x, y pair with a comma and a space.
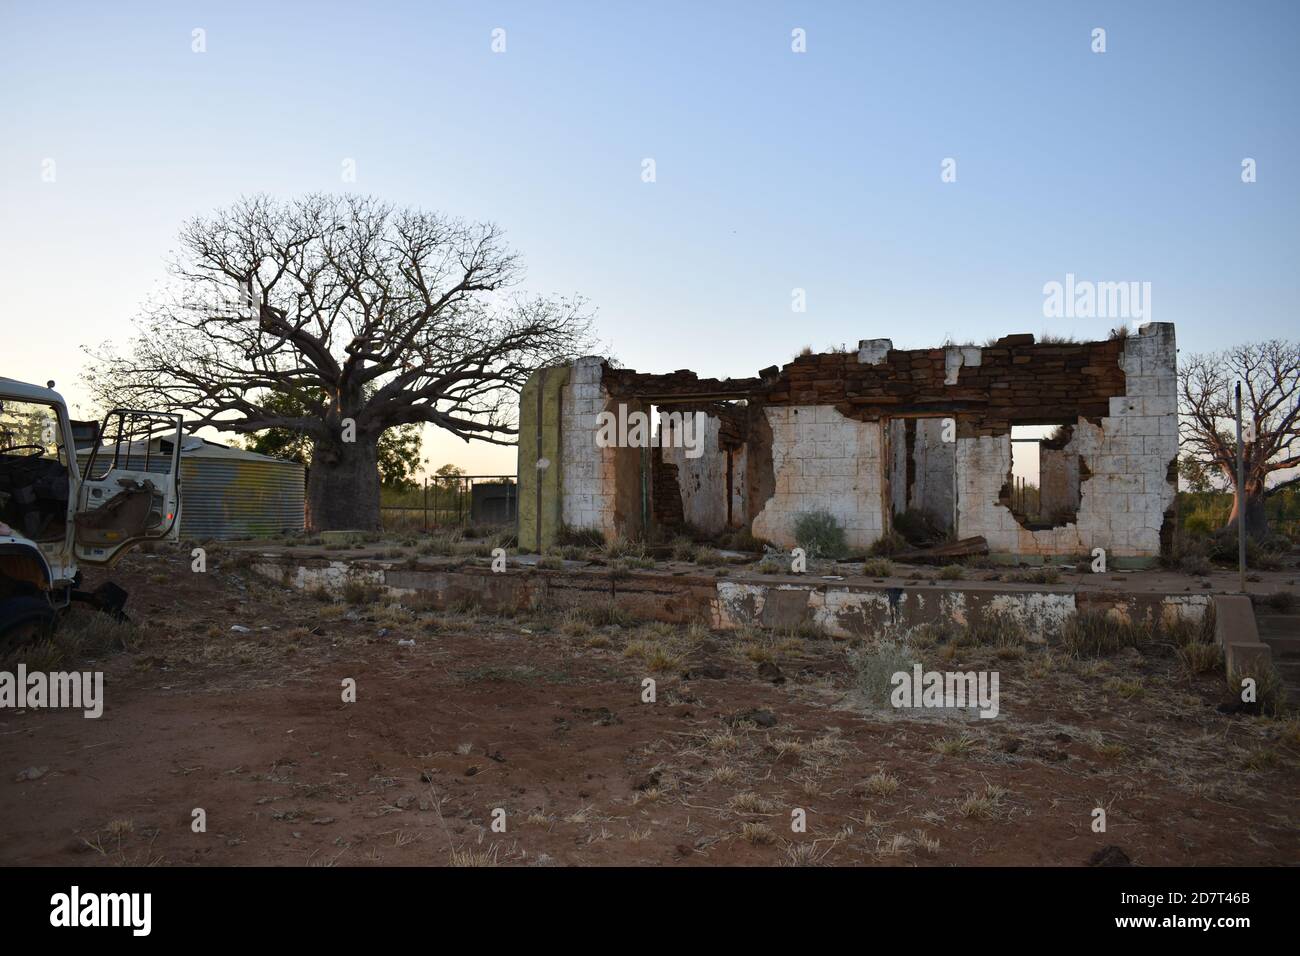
1256, 518
343, 486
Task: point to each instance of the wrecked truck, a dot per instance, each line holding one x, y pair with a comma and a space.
56, 517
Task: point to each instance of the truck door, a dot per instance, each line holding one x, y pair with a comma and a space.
130, 486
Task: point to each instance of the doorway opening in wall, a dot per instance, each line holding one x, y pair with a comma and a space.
662, 496
921, 470
1042, 488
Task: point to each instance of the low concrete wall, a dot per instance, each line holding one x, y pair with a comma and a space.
1244, 654
777, 602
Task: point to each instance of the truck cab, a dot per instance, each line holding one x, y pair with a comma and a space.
57, 516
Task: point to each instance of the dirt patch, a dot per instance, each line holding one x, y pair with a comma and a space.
541, 715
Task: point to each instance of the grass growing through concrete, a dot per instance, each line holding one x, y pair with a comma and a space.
1098, 633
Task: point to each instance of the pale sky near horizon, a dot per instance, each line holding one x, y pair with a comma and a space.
775, 170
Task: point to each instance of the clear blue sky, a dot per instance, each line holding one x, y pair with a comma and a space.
775, 170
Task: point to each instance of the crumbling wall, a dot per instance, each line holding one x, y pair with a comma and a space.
808, 436
823, 461
1124, 484
600, 487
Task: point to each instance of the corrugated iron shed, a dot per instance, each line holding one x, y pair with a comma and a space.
226, 492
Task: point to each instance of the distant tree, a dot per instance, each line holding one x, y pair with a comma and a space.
1269, 373
371, 317
1194, 473
449, 472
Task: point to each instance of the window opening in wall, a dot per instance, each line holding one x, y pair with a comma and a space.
1042, 489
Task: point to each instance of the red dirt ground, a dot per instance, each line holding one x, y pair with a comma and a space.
541, 716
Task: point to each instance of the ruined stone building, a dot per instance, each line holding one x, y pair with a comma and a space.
868, 435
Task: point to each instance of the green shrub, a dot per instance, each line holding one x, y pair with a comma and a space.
878, 568
820, 534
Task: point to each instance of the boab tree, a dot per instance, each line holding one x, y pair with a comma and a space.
1269, 373
363, 316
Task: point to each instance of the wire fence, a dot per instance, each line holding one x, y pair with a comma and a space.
452, 502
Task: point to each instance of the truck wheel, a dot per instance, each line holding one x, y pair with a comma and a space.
24, 620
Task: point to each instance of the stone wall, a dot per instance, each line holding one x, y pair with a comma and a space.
808, 436
1125, 485
823, 461
600, 487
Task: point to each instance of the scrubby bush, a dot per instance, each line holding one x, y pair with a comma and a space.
1281, 601
1045, 575
357, 591
1270, 690
878, 568
622, 547
888, 544
1094, 633
684, 549
820, 534
1198, 657
876, 665
742, 539
993, 629
707, 557
581, 537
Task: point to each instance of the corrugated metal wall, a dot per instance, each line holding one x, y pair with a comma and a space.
240, 499
233, 497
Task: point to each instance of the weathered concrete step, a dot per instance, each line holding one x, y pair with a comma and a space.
1283, 647
1282, 623
1290, 670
